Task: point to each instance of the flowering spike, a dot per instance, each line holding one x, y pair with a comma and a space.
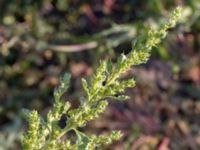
46, 134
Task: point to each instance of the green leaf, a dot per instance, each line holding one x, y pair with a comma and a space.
64, 85
109, 67
85, 86
83, 141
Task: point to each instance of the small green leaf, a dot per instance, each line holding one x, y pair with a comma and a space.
64, 85
85, 86
109, 67
83, 141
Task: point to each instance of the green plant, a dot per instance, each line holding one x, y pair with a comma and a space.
46, 134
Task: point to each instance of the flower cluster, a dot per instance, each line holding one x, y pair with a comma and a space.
46, 134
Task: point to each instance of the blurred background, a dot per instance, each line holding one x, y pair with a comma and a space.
40, 40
